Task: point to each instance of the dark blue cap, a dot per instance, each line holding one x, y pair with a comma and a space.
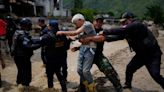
128, 15
54, 23
25, 22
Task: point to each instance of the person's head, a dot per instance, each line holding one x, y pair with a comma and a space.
98, 21
41, 21
127, 18
78, 20
53, 25
26, 24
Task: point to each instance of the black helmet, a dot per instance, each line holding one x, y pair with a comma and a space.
25, 22
127, 15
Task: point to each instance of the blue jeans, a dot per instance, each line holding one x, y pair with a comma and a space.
85, 61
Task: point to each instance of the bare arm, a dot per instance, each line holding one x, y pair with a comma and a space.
71, 33
98, 38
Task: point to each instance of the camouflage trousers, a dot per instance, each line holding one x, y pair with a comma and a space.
105, 66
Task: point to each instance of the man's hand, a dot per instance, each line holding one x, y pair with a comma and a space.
75, 49
101, 33
72, 37
98, 38
85, 40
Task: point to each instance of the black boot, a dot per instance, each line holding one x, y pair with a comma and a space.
119, 89
127, 86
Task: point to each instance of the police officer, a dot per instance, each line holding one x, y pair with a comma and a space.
142, 41
22, 50
41, 23
11, 28
55, 54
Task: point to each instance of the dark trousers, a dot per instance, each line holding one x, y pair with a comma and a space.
43, 55
152, 63
24, 74
54, 66
10, 43
106, 67
64, 67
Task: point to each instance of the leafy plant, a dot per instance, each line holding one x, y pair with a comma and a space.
155, 13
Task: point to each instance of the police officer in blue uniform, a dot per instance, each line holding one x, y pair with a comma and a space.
11, 28
43, 30
22, 50
55, 54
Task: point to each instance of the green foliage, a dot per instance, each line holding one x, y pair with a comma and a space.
110, 13
138, 7
117, 7
78, 4
155, 13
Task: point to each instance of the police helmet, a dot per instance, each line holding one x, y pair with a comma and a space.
25, 22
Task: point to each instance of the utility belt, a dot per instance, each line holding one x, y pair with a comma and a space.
59, 44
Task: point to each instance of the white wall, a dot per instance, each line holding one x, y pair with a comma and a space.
50, 10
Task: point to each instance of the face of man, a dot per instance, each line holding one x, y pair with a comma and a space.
79, 23
98, 23
123, 23
126, 22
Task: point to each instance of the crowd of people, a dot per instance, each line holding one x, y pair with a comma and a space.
55, 42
